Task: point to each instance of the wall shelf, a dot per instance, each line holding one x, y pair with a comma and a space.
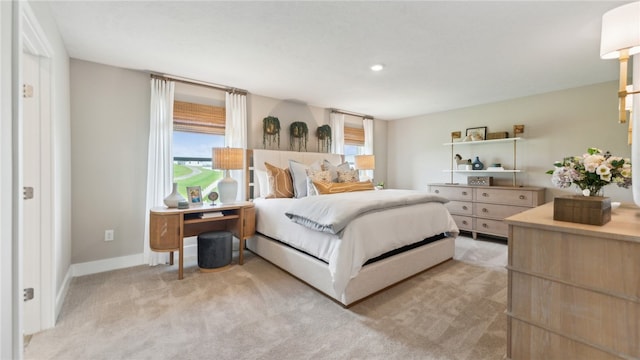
515, 170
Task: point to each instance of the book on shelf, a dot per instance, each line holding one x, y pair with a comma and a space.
213, 214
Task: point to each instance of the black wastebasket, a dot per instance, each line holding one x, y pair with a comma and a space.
214, 249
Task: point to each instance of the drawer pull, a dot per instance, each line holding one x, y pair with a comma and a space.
485, 210
485, 194
522, 197
464, 193
464, 207
464, 222
485, 225
437, 191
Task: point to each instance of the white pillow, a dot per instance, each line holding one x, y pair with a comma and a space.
263, 182
299, 176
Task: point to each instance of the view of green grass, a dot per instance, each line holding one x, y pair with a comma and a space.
204, 178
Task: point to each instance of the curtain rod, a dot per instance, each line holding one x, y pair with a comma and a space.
200, 83
351, 113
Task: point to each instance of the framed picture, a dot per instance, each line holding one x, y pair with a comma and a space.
477, 133
195, 195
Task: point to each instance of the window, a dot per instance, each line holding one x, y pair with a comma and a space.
196, 129
353, 143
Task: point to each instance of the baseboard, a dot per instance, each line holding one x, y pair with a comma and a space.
98, 266
62, 293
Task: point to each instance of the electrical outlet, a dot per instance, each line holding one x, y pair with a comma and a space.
108, 235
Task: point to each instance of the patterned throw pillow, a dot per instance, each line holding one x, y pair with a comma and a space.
334, 188
348, 176
327, 166
280, 184
323, 176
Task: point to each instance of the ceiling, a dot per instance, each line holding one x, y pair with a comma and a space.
438, 55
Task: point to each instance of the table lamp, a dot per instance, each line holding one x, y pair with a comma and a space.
227, 159
365, 162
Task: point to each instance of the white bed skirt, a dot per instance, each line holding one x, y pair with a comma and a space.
371, 278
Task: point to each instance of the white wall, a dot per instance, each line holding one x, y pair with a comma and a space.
8, 301
109, 139
557, 124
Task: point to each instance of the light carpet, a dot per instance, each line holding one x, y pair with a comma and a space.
257, 311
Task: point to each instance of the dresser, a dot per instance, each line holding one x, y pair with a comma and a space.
573, 289
482, 209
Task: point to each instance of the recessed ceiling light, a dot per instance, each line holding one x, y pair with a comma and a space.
377, 67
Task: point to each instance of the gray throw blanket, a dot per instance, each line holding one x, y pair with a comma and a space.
332, 213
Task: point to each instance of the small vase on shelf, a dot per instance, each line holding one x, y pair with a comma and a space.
174, 198
477, 164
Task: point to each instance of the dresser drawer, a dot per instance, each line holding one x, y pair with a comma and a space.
453, 192
491, 227
496, 211
460, 207
463, 222
503, 196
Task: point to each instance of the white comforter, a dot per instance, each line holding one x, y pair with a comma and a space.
367, 236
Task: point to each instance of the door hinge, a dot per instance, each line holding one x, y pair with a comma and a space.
28, 294
27, 192
27, 91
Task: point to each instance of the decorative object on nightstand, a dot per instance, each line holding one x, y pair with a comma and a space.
477, 164
298, 133
213, 196
589, 172
227, 159
364, 163
174, 198
270, 131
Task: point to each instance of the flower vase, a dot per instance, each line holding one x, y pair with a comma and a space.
477, 164
174, 198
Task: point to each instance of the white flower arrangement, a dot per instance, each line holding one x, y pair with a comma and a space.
591, 172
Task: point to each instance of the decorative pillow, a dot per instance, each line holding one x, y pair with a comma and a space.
324, 176
299, 176
280, 184
327, 166
263, 182
334, 188
348, 176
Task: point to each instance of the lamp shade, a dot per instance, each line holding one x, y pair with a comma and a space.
227, 158
620, 30
365, 162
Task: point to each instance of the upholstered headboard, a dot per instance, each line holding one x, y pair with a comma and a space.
280, 158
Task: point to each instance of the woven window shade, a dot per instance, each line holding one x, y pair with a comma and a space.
198, 118
353, 136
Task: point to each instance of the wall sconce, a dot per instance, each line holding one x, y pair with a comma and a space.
227, 159
621, 39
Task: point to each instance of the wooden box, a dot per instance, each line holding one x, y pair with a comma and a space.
592, 210
497, 135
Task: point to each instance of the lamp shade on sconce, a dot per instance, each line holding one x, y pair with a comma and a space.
227, 159
620, 31
365, 162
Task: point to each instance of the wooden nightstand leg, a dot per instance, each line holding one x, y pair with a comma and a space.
171, 258
241, 252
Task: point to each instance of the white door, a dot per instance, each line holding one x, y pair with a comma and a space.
32, 178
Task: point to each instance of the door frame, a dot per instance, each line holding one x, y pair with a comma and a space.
35, 42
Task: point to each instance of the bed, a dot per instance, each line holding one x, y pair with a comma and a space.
362, 254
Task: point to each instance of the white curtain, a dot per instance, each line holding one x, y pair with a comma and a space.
235, 134
336, 121
367, 124
160, 158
